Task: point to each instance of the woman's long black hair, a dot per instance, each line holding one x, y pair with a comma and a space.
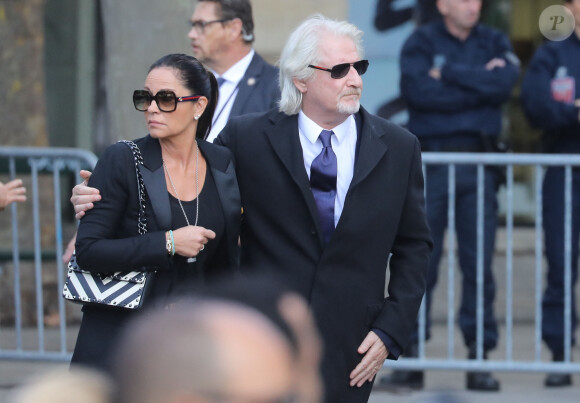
196, 78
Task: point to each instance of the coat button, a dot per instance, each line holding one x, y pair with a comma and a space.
313, 230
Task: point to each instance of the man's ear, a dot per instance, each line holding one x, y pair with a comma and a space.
300, 85
441, 6
235, 28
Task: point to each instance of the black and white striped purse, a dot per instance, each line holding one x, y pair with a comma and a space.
122, 289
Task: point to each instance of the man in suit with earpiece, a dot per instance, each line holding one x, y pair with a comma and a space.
221, 36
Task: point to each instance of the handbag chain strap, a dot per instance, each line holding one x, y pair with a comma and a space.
141, 222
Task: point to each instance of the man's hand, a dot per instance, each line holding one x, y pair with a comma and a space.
375, 354
495, 62
10, 192
84, 196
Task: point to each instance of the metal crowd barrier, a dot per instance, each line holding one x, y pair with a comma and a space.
507, 362
59, 160
32, 163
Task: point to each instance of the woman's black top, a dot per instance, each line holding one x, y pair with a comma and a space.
184, 277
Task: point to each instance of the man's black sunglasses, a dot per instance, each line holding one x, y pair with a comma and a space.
341, 70
166, 100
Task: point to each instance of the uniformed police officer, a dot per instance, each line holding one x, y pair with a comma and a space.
455, 75
551, 99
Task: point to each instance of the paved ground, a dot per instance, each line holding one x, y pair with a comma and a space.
441, 386
448, 387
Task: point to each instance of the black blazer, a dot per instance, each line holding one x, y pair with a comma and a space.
107, 235
383, 218
258, 90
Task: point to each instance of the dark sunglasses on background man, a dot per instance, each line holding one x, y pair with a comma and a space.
166, 100
341, 70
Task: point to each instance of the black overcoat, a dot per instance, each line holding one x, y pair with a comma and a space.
108, 235
383, 223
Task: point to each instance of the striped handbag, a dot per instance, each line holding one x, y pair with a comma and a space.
123, 289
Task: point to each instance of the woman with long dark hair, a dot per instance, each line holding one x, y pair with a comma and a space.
192, 202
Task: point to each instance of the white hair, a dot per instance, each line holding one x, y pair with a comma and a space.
301, 49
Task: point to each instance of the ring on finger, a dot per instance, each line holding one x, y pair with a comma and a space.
202, 246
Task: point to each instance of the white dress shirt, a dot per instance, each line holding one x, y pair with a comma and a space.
344, 146
228, 92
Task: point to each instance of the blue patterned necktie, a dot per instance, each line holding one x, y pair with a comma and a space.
220, 81
323, 184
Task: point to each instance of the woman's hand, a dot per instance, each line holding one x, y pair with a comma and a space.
191, 240
84, 196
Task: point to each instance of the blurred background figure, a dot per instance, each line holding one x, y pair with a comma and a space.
551, 99
455, 75
62, 386
269, 295
221, 36
210, 350
10, 192
391, 14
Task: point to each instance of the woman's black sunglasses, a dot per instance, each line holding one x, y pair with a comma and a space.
166, 100
341, 70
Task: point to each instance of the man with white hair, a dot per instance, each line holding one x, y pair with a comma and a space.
331, 196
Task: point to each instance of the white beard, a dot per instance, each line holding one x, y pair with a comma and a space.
348, 108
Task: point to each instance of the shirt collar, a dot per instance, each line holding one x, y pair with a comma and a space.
235, 73
311, 130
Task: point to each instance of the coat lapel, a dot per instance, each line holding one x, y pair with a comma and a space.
247, 85
370, 151
222, 170
154, 180
283, 136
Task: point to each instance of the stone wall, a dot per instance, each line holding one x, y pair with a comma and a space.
22, 121
275, 20
136, 34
